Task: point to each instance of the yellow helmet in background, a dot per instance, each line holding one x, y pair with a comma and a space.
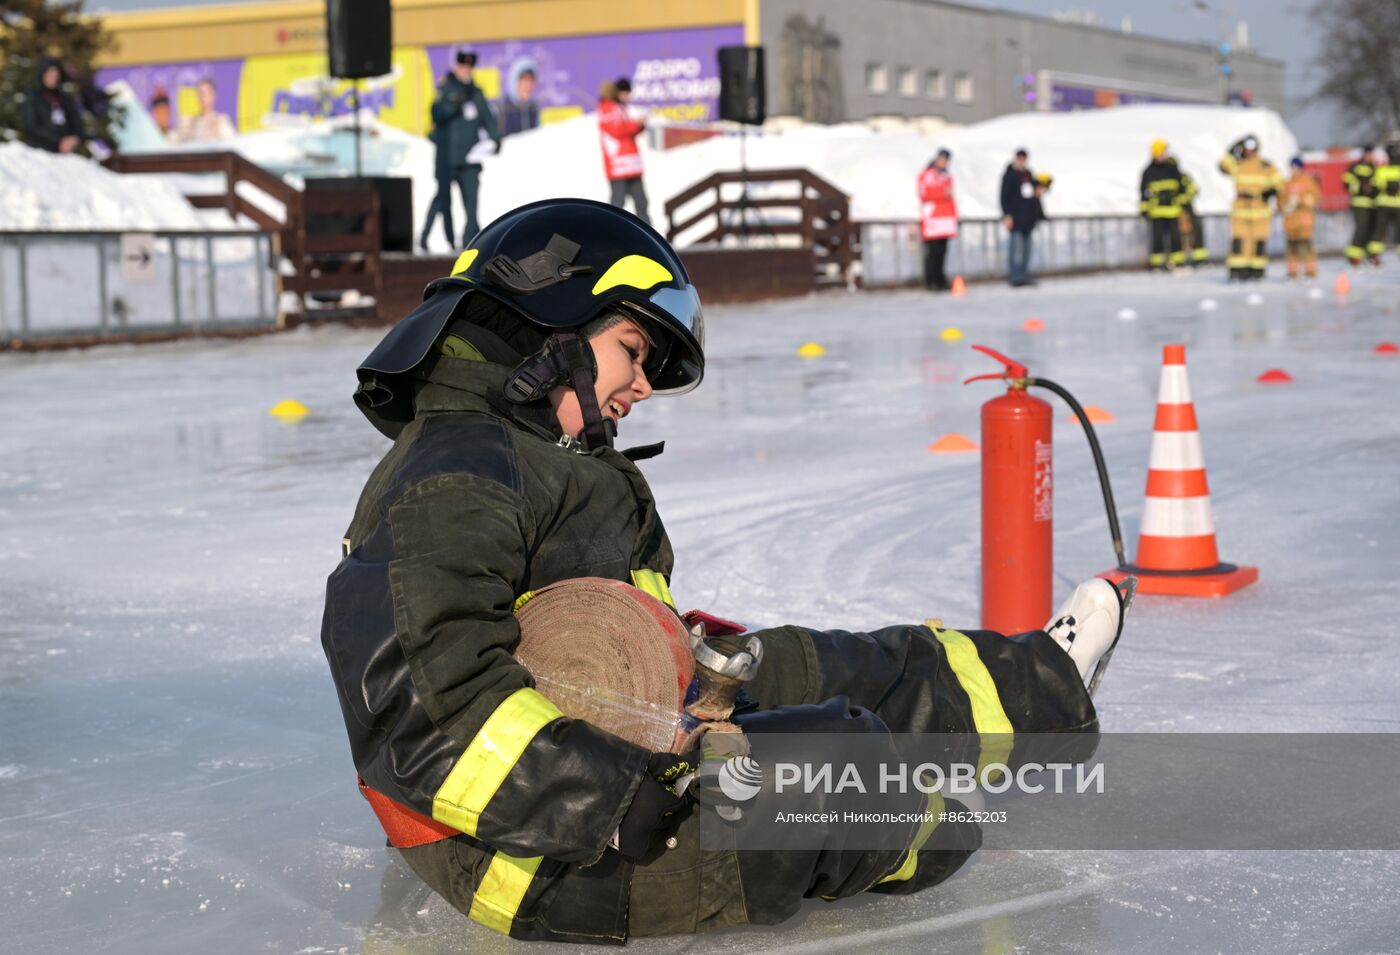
1159, 148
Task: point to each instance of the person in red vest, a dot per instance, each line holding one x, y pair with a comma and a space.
618, 130
938, 219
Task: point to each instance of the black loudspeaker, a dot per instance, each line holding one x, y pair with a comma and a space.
741, 85
395, 209
359, 36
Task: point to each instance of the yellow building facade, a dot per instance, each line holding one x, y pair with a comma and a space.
268, 63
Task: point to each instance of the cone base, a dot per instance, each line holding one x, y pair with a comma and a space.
1219, 583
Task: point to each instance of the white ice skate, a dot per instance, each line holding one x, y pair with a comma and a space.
1087, 625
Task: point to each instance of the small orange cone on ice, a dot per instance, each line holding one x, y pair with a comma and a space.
1274, 376
953, 444
1176, 547
1387, 348
1033, 325
1343, 285
1095, 414
959, 287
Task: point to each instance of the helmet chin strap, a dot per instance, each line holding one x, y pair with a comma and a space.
565, 359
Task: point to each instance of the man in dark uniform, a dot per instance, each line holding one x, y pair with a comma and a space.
460, 116
1020, 210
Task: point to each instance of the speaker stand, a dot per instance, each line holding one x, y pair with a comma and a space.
745, 204
355, 88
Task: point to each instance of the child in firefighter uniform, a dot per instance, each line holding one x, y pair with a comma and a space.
1299, 203
502, 393
1256, 182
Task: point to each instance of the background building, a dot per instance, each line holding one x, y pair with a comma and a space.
828, 60
964, 64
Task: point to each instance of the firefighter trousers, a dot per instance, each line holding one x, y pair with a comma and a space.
1386, 230
914, 680
1363, 221
1249, 245
1166, 243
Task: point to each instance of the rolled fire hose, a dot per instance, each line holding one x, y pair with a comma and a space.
605, 652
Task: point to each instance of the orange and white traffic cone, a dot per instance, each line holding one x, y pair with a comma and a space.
1176, 548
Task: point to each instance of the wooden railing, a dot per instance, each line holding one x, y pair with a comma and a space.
804, 207
321, 261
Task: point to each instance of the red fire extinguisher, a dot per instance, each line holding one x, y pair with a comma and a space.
1017, 503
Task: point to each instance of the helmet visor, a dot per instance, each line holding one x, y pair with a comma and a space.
676, 361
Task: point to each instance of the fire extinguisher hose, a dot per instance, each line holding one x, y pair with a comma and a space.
1098, 462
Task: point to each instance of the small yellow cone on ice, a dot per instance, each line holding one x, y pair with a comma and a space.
811, 350
953, 444
951, 334
289, 410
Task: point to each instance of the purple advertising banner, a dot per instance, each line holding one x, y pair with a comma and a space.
1064, 97
169, 79
675, 71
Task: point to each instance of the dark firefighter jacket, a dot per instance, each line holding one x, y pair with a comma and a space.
1359, 180
475, 505
1161, 190
49, 115
1189, 191
460, 114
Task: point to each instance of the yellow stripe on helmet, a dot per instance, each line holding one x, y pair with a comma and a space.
489, 758
464, 261
637, 271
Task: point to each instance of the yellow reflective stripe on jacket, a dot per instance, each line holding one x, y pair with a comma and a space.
988, 715
911, 861
502, 889
491, 755
649, 581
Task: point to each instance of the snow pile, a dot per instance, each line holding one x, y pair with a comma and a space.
44, 191
1096, 158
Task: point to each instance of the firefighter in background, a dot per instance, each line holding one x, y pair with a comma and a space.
938, 219
1256, 182
1361, 187
1387, 181
1160, 204
1300, 196
1193, 233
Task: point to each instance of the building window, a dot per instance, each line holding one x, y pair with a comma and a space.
962, 87
877, 78
934, 85
908, 82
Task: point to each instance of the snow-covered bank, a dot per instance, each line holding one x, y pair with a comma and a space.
1095, 156
43, 191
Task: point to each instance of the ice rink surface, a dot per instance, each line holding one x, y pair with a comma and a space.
174, 775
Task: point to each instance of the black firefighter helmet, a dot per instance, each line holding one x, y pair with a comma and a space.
557, 265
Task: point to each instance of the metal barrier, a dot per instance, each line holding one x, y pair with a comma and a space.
77, 285
891, 252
